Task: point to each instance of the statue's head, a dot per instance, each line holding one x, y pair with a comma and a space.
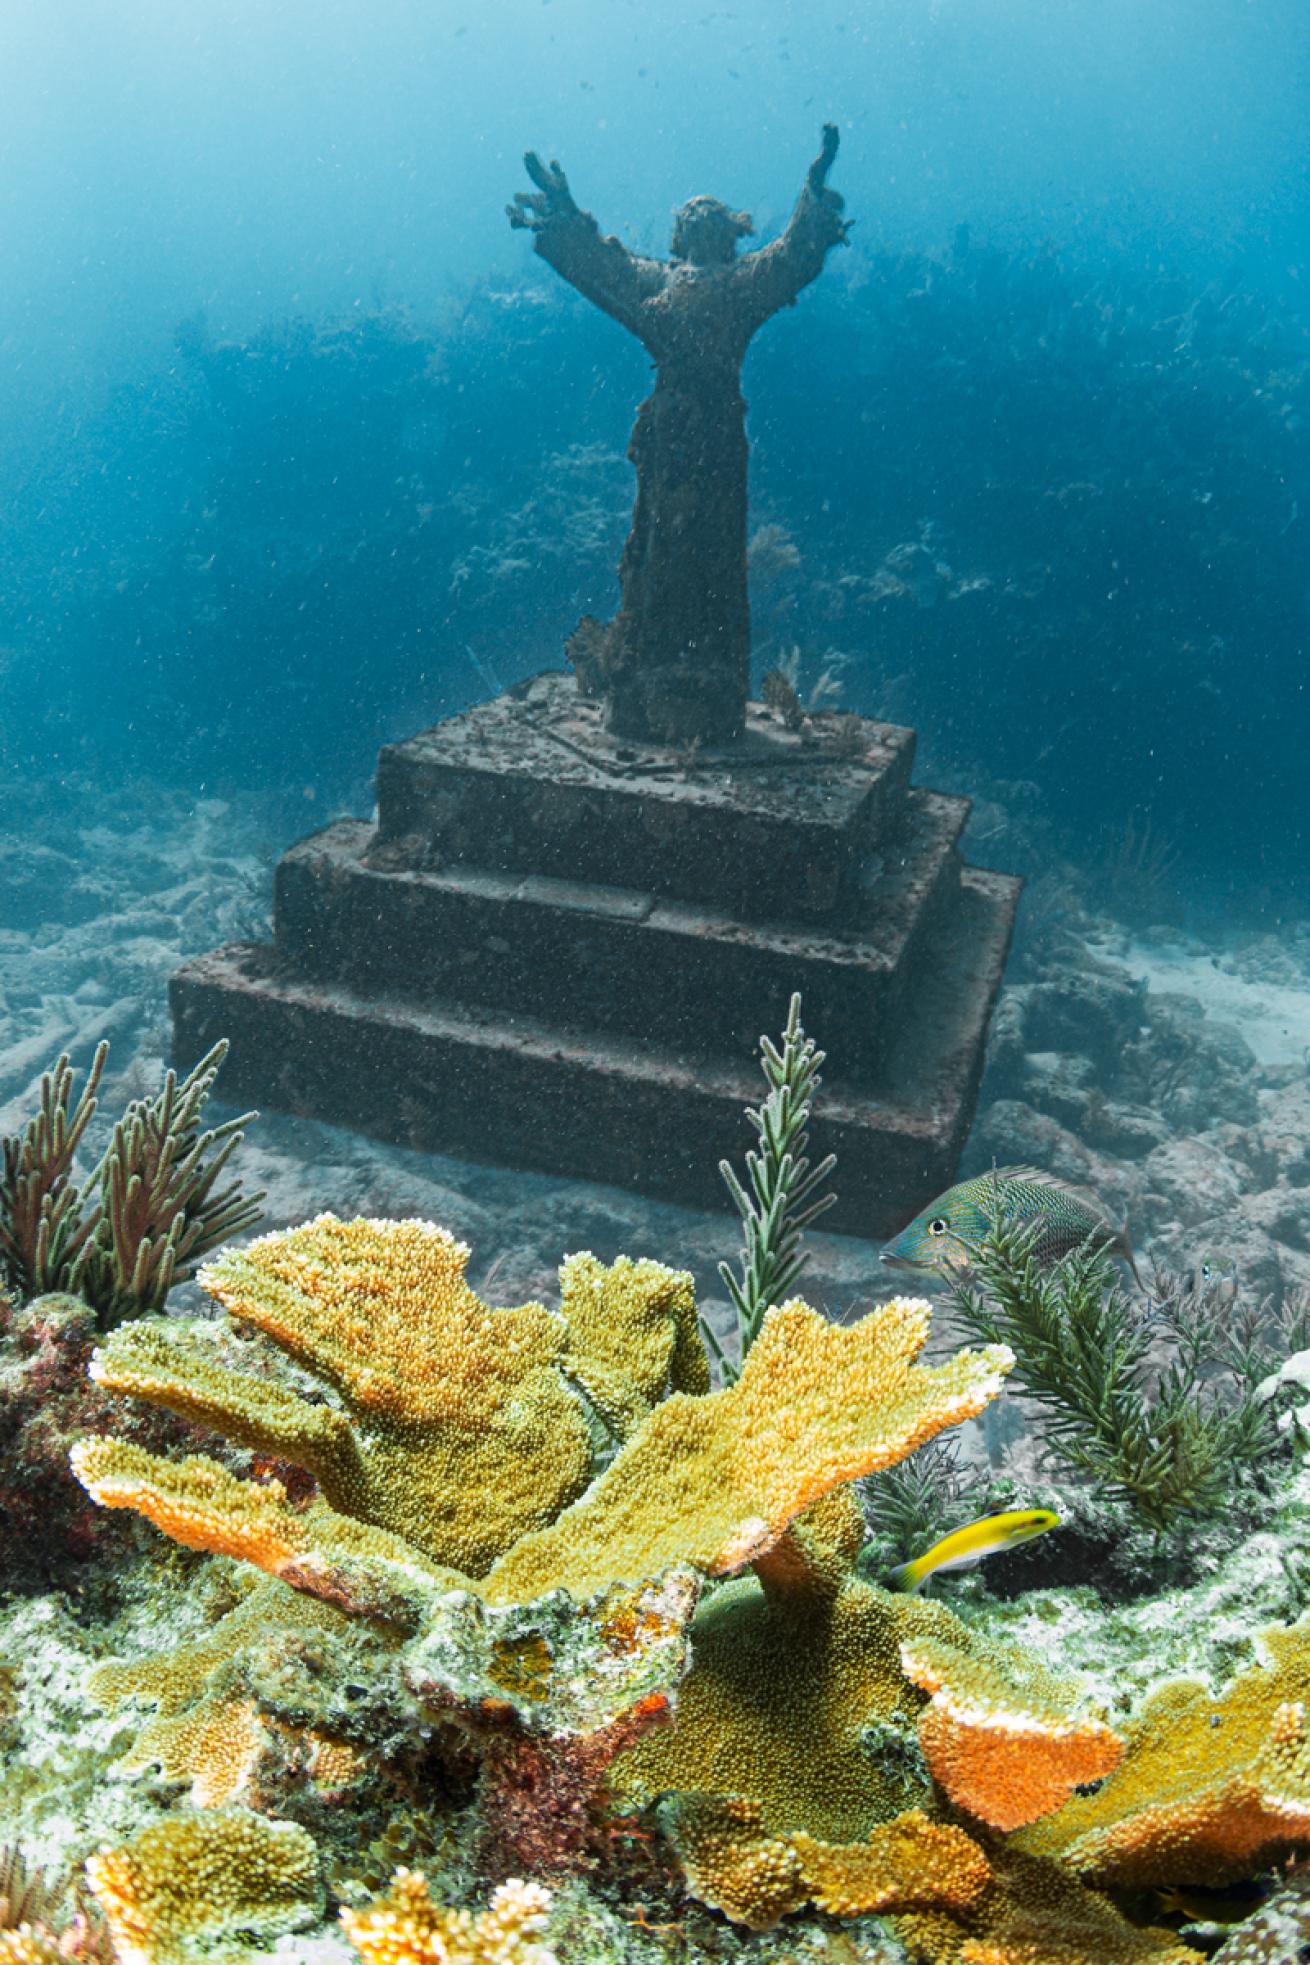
705, 232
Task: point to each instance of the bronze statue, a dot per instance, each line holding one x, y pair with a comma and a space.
673, 665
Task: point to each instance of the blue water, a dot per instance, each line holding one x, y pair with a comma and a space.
303, 448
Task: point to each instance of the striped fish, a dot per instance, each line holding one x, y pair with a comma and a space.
947, 1234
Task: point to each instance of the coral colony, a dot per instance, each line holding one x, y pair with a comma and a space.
506, 1635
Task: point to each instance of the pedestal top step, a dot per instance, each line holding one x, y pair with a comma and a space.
531, 783
606, 958
449, 1079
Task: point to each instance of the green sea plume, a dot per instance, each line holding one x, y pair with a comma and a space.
1176, 1442
148, 1212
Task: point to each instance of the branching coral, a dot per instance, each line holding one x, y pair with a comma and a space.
30, 1945
455, 1426
255, 1706
405, 1927
905, 1863
200, 1504
822, 1723
717, 1481
571, 1648
783, 1692
999, 1734
460, 1432
1211, 1789
732, 1862
632, 1336
196, 1877
1034, 1912
149, 1212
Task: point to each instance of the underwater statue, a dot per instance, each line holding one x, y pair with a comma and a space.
673, 666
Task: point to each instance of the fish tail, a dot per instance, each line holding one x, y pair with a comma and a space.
907, 1576
1123, 1248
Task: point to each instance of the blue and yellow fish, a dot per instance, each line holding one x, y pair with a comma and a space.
948, 1234
965, 1547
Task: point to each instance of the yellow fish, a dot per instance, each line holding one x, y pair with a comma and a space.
964, 1547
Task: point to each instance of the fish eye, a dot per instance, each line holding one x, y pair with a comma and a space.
937, 1226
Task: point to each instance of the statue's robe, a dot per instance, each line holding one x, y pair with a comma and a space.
675, 660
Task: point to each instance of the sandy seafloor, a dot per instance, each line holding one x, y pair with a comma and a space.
1169, 1072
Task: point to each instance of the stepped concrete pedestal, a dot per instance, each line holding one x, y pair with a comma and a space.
557, 950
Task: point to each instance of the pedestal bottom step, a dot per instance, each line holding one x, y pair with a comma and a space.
445, 1079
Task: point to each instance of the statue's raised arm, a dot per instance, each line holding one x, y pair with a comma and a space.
569, 239
773, 277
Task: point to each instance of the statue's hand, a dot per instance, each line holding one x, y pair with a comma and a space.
551, 199
830, 202
823, 162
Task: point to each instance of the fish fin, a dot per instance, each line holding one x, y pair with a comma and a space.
1118, 1234
1124, 1248
904, 1578
1038, 1177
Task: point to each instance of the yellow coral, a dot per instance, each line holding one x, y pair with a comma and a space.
902, 1863
195, 1877
632, 1335
1210, 1790
200, 1504
459, 1430
30, 1945
219, 1745
779, 1703
182, 1677
732, 1862
464, 1429
716, 1481
999, 1735
195, 1501
209, 1731
405, 1927
333, 1764
1035, 1913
